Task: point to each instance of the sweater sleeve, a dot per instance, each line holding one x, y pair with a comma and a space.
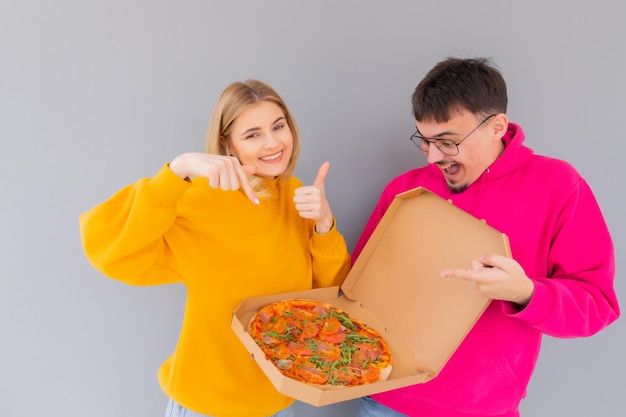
577, 298
330, 256
125, 237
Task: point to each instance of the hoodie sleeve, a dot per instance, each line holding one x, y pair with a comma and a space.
577, 298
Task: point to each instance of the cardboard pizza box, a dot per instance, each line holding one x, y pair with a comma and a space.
395, 287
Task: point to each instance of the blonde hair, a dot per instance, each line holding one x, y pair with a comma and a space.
236, 99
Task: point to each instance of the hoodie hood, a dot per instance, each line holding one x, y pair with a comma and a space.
514, 154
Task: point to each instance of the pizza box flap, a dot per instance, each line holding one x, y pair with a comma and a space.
396, 276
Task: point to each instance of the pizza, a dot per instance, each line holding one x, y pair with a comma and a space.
316, 343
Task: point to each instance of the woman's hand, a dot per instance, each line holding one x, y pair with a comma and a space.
225, 172
312, 204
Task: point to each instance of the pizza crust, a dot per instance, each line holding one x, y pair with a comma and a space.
385, 372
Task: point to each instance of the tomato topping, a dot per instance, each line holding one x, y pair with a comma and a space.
335, 338
309, 330
302, 314
278, 325
298, 348
343, 376
309, 372
370, 374
331, 354
331, 325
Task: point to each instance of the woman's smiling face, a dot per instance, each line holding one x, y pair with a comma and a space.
261, 137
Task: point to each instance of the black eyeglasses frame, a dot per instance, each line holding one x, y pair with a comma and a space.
444, 145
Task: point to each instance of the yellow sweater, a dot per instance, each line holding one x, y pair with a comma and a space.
222, 248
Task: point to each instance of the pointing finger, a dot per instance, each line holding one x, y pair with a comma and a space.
245, 184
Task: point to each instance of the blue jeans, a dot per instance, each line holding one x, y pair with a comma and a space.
176, 410
371, 408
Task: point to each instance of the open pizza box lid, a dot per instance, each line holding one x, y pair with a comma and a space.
395, 287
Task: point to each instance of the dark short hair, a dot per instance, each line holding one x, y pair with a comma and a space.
457, 84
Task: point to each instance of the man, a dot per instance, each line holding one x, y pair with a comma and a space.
560, 279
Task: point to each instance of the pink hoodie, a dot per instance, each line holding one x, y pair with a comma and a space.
558, 235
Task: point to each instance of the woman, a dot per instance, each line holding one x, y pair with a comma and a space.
230, 223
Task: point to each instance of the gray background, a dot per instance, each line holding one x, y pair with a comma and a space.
95, 94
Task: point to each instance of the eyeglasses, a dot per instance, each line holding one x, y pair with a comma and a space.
446, 146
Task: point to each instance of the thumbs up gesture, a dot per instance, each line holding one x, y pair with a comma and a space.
312, 204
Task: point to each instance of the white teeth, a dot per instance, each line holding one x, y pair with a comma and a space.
271, 157
446, 166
